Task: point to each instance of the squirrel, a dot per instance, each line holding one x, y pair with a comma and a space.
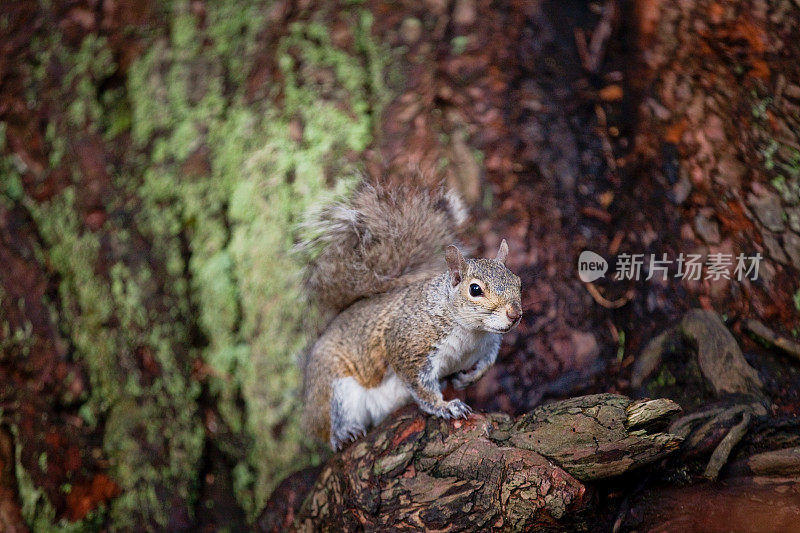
409, 310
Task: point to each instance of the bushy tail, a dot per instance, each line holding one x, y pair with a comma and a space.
383, 238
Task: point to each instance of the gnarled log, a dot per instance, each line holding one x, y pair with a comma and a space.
490, 470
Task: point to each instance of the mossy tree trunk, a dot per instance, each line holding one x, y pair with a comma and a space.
155, 160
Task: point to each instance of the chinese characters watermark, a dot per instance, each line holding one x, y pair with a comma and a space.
715, 267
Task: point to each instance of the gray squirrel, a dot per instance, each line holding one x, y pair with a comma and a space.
409, 310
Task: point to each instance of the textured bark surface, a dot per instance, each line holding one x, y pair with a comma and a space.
719, 121
598, 436
488, 471
733, 433
719, 358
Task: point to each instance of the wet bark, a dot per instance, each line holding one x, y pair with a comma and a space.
718, 129
500, 95
719, 109
489, 471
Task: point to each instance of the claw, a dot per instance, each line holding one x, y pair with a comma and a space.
457, 409
343, 436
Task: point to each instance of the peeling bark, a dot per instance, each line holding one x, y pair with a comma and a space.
489, 471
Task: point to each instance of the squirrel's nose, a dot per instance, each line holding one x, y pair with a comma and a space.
513, 314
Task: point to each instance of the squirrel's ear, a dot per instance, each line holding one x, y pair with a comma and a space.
502, 253
456, 263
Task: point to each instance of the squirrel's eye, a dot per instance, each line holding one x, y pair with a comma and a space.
475, 290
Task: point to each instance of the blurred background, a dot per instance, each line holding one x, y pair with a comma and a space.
156, 158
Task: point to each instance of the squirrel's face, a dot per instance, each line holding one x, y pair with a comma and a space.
487, 294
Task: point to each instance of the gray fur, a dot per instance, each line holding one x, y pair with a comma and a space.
382, 239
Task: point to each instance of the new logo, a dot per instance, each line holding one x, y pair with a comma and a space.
591, 266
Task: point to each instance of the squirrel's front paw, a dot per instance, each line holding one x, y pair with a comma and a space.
343, 435
453, 409
462, 380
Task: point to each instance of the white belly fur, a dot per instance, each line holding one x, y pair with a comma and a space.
460, 350
368, 406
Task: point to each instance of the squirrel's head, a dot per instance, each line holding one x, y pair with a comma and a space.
486, 293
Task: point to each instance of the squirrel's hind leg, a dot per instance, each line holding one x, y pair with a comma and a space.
349, 413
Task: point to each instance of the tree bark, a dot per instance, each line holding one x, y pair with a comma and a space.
488, 471
719, 117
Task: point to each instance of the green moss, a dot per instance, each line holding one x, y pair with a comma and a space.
84, 70
11, 187
91, 64
621, 346
138, 417
152, 435
664, 378
38, 512
218, 236
239, 215
459, 44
